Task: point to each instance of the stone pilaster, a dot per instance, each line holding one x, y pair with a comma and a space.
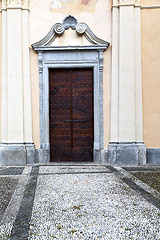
16, 145
126, 140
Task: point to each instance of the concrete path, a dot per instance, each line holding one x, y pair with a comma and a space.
81, 201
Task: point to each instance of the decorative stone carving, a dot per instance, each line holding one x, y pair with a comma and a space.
4, 2
129, 1
101, 61
115, 2
59, 29
81, 28
25, 4
40, 58
15, 3
70, 22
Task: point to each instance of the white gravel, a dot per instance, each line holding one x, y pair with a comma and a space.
90, 206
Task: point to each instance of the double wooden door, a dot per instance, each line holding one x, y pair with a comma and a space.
71, 114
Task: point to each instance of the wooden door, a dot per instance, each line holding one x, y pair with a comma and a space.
71, 114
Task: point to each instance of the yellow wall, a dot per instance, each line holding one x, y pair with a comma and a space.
150, 3
97, 14
151, 73
0, 62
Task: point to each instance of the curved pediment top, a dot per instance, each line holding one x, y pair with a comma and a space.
81, 29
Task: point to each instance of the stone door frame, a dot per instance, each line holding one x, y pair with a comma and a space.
70, 57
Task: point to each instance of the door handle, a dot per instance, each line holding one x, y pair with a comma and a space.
75, 121
68, 121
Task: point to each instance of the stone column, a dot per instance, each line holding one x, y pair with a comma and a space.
16, 146
126, 140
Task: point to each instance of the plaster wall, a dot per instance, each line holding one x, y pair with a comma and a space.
150, 3
151, 72
0, 61
97, 14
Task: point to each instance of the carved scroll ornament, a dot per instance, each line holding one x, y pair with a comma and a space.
58, 29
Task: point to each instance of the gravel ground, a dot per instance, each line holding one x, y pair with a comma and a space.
90, 206
79, 202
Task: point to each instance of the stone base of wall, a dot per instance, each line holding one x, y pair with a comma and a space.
120, 154
153, 156
42, 156
17, 154
126, 154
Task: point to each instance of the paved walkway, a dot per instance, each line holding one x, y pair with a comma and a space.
82, 201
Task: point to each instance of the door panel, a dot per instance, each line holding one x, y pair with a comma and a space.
60, 101
71, 114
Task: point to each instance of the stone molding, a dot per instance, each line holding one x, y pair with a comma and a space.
129, 1
117, 3
81, 29
15, 4
150, 7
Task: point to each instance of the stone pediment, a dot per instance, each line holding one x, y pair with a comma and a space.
70, 22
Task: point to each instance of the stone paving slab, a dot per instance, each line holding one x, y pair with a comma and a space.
7, 187
82, 202
73, 169
12, 207
11, 171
